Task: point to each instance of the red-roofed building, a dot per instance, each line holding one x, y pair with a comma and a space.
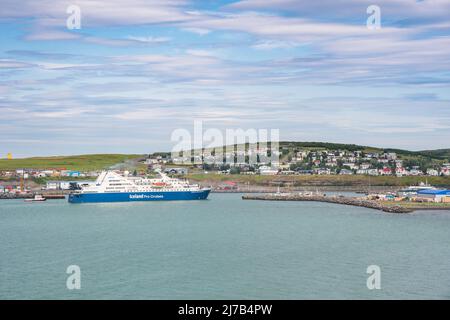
386, 171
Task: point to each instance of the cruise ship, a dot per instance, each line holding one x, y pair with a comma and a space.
111, 186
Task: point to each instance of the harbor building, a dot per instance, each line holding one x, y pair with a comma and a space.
176, 171
435, 195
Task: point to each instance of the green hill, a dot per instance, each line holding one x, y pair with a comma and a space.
440, 153
290, 146
79, 162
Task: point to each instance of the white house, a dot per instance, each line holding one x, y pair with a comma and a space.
345, 172
415, 172
267, 171
400, 171
53, 185
351, 165
323, 171
39, 174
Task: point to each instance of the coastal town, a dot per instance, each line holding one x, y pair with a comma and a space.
332, 162
306, 162
231, 171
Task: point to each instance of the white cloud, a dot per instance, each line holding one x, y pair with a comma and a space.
200, 31
119, 87
11, 64
56, 66
149, 39
289, 29
108, 41
274, 44
46, 34
400, 9
201, 53
99, 12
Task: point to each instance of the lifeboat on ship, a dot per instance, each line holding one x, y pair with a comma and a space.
159, 184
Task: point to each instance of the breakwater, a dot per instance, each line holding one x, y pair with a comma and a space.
330, 199
253, 188
8, 195
29, 195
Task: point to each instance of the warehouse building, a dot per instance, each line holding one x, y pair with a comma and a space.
435, 195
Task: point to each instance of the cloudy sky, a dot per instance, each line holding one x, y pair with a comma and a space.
137, 70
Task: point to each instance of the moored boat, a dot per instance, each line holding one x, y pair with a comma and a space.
37, 197
413, 190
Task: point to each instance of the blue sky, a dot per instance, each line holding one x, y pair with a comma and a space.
137, 70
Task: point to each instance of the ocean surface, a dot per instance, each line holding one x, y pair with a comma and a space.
222, 248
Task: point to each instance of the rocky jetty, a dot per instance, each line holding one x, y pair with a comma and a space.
10, 195
351, 201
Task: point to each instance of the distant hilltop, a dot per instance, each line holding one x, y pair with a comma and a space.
443, 154
313, 158
291, 146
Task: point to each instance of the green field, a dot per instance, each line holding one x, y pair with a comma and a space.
321, 180
80, 162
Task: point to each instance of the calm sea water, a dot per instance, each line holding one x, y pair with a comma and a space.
223, 248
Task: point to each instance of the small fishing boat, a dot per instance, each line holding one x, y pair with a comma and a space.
37, 197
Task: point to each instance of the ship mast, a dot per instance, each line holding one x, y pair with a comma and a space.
22, 183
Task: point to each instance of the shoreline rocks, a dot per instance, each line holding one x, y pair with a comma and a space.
9, 195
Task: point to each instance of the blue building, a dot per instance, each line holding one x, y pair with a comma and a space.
74, 173
435, 195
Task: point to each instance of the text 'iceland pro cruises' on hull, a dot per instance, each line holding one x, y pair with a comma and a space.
113, 187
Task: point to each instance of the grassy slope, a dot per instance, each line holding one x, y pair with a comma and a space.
80, 162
